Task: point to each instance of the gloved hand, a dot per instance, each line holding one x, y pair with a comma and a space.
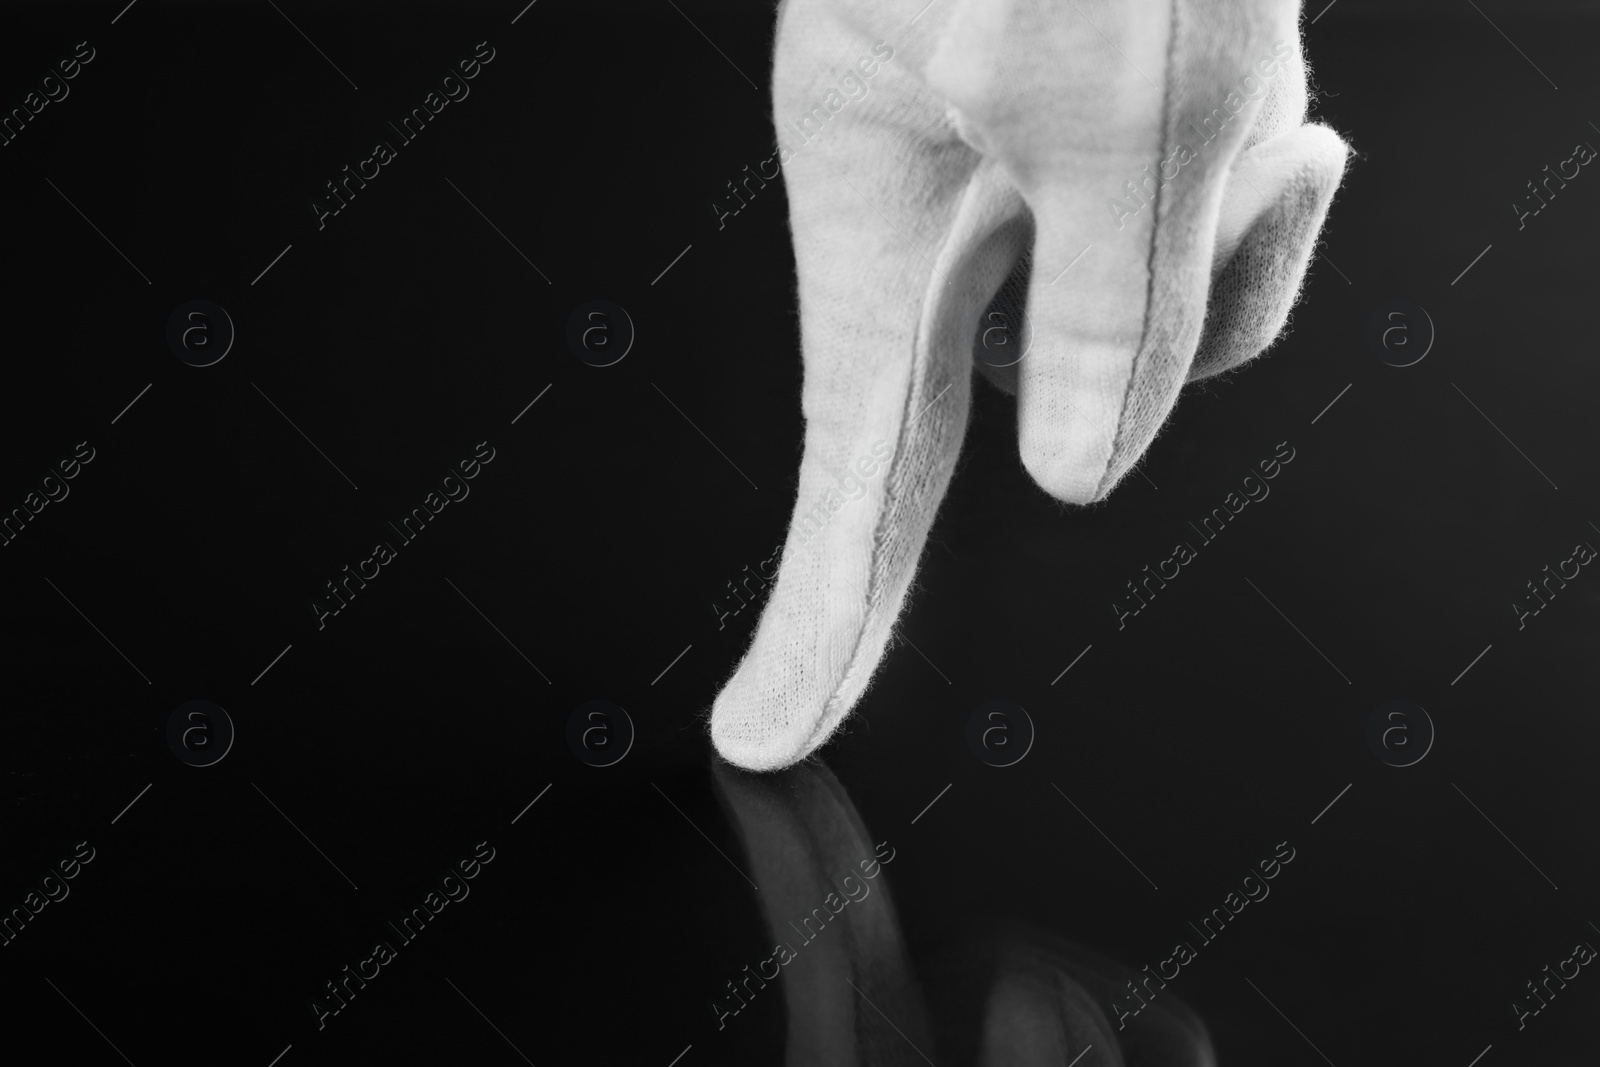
1145, 165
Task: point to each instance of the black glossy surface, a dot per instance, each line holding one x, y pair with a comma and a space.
408, 729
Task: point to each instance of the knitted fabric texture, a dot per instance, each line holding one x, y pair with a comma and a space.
1136, 173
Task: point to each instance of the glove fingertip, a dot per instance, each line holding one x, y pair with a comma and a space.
1255, 289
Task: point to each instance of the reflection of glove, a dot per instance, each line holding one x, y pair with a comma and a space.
810, 854
1152, 153
1015, 996
1005, 996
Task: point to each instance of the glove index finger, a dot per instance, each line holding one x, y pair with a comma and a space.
901, 234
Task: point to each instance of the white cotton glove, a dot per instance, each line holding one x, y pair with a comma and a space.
1145, 164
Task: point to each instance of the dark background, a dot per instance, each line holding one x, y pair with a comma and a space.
408, 330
